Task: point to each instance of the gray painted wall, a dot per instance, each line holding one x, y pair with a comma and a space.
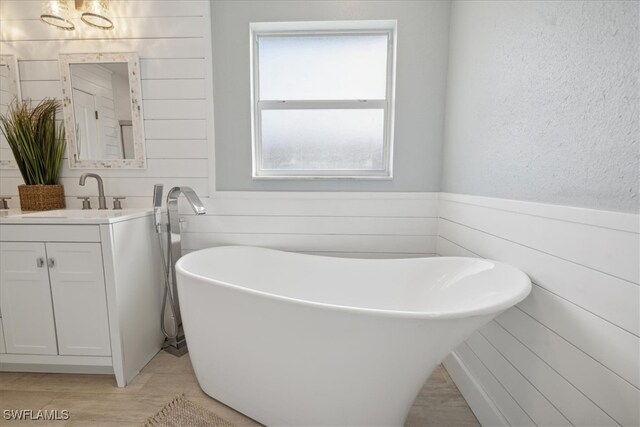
423, 28
542, 102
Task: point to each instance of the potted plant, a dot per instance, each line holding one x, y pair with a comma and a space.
38, 148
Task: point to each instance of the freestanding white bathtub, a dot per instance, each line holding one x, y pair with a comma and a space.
302, 340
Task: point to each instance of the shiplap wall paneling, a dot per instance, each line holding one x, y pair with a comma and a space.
174, 56
533, 403
410, 245
610, 392
577, 408
605, 296
338, 224
6, 97
592, 246
573, 343
508, 410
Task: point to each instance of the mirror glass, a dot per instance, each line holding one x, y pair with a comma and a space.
9, 92
103, 116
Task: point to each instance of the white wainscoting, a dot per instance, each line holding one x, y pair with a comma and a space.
369, 225
569, 353
175, 59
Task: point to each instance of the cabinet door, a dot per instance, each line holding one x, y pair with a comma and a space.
79, 298
25, 299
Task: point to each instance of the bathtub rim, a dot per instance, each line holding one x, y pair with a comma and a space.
457, 314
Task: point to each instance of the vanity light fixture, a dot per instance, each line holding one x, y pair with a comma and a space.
56, 13
93, 13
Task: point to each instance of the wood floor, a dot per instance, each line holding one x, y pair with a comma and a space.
94, 400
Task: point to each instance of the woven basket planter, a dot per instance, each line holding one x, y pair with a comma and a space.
41, 197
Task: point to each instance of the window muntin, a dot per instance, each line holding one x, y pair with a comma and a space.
322, 101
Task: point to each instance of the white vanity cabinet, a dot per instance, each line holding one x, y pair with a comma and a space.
53, 299
79, 292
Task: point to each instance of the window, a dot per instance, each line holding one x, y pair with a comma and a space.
322, 99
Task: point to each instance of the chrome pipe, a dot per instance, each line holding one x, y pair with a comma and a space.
175, 246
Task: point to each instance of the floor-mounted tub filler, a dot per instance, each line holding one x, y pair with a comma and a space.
302, 340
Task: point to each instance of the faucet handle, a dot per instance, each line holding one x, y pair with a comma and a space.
117, 205
3, 202
86, 203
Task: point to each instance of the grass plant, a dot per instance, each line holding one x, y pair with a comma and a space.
37, 145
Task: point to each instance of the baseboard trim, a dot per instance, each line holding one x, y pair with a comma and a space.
480, 403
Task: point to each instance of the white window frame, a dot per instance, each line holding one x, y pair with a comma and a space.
263, 29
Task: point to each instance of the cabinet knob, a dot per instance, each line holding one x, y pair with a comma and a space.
40, 262
51, 263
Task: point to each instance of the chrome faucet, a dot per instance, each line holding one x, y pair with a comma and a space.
102, 201
173, 219
191, 196
175, 247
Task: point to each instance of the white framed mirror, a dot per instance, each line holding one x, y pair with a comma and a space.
9, 92
102, 102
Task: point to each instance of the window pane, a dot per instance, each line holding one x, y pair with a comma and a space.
323, 67
323, 139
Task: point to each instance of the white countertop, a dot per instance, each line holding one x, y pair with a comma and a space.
70, 216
